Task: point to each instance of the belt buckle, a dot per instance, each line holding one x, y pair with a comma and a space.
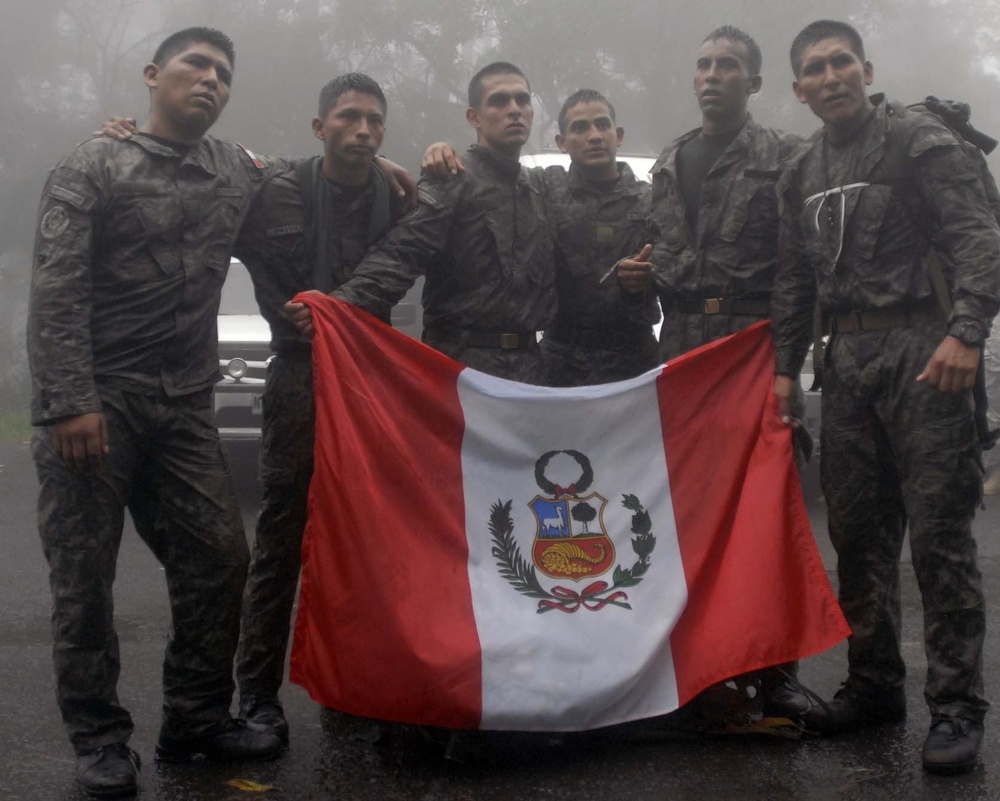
713, 305
509, 341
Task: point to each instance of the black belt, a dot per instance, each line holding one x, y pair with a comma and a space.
470, 338
599, 338
881, 319
751, 306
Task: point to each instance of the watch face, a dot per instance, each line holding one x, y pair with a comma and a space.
970, 334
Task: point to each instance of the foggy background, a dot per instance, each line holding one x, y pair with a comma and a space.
69, 64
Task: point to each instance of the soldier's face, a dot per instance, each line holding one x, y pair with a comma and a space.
192, 88
722, 79
591, 137
503, 119
353, 130
832, 80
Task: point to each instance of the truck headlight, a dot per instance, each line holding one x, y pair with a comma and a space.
237, 368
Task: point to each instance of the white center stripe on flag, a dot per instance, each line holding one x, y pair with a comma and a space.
600, 663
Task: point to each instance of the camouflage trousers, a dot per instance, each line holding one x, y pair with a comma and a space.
286, 466
167, 466
895, 453
576, 365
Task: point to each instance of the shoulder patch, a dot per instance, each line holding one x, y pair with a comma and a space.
256, 161
54, 222
68, 195
428, 198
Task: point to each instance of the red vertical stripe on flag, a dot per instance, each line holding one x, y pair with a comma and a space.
395, 511
758, 592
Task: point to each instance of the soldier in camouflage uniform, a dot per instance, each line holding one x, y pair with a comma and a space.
132, 249
281, 249
603, 330
715, 212
899, 440
482, 241
714, 204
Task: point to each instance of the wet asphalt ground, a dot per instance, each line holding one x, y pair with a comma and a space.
336, 758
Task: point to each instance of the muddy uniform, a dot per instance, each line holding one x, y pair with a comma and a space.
132, 248
600, 333
715, 278
484, 243
894, 451
276, 248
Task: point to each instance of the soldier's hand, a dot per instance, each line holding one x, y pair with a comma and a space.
300, 315
635, 275
81, 441
120, 128
953, 366
400, 181
441, 161
784, 391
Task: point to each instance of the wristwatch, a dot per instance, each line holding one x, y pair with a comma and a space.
969, 334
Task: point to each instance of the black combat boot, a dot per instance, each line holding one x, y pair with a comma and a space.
852, 709
233, 742
952, 746
784, 696
264, 714
108, 772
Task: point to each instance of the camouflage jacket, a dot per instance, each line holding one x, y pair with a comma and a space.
733, 252
273, 247
594, 229
132, 248
861, 249
484, 243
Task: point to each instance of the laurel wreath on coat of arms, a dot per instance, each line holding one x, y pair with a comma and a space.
521, 575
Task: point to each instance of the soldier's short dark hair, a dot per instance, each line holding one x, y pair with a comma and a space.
496, 68
350, 82
180, 41
582, 96
824, 29
755, 59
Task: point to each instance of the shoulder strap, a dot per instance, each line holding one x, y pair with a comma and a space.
897, 161
381, 213
307, 174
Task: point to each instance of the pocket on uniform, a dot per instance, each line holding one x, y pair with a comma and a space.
163, 235
735, 219
762, 216
225, 217
865, 221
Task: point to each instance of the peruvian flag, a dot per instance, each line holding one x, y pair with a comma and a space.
487, 554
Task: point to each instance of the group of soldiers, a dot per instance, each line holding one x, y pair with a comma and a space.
742, 223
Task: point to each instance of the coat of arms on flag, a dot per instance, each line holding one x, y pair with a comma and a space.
571, 543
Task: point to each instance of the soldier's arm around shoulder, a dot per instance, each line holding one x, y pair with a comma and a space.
60, 304
950, 182
403, 254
